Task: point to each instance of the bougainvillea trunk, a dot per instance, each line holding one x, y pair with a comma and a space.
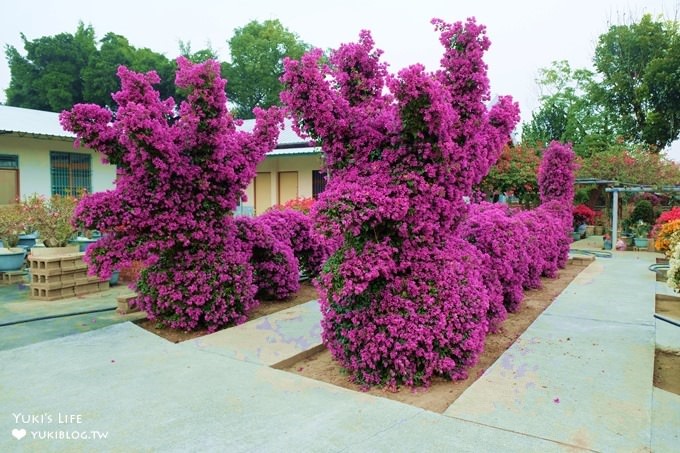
402, 298
181, 171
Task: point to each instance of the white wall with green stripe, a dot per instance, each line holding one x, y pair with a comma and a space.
36, 170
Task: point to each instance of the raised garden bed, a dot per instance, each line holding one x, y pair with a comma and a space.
442, 393
266, 307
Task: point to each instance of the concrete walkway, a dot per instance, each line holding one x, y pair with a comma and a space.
582, 373
16, 308
579, 379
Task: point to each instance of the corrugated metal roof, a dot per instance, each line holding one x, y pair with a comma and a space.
294, 151
28, 121
38, 122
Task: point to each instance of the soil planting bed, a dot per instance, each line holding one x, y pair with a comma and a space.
266, 307
667, 370
443, 393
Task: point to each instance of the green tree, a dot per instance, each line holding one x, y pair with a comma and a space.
49, 77
515, 172
639, 65
568, 112
257, 53
199, 56
100, 79
99, 76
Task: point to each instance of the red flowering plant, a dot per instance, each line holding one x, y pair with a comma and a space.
583, 215
181, 171
403, 298
665, 217
304, 205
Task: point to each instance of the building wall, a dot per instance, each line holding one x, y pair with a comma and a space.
34, 163
302, 164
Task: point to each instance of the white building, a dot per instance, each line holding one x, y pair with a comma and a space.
38, 156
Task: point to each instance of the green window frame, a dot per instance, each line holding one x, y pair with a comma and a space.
70, 172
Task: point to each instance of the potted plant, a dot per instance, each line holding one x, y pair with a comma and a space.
583, 216
640, 231
11, 225
52, 219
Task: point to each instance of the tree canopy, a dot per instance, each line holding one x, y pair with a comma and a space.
49, 77
257, 53
638, 65
568, 113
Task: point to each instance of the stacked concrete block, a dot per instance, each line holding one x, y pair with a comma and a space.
11, 277
58, 277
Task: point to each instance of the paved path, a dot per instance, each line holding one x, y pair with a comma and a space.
582, 373
16, 308
579, 379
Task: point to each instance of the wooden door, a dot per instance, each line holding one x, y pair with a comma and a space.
9, 186
263, 192
288, 186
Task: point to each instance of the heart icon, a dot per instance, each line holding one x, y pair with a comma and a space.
19, 433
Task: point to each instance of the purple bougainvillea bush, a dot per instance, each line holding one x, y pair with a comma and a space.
181, 170
495, 232
275, 266
403, 299
295, 228
556, 189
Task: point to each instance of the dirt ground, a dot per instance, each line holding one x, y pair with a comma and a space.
667, 370
443, 393
670, 308
266, 307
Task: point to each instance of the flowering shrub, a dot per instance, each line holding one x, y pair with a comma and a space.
52, 218
494, 232
276, 268
515, 172
583, 214
665, 234
673, 214
181, 171
12, 221
402, 298
295, 229
304, 205
673, 275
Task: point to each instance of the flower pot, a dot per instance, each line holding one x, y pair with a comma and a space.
114, 278
590, 230
54, 251
575, 235
83, 243
642, 243
598, 230
27, 240
12, 259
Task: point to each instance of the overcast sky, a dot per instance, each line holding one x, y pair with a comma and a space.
525, 35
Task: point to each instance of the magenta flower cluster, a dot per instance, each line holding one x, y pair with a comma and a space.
181, 171
403, 296
523, 246
276, 269
295, 229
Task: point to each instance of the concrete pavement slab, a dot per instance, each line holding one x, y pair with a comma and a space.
16, 305
665, 422
571, 380
267, 340
619, 289
23, 334
146, 394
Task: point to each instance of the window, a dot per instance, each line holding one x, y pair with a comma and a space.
9, 179
318, 183
71, 173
